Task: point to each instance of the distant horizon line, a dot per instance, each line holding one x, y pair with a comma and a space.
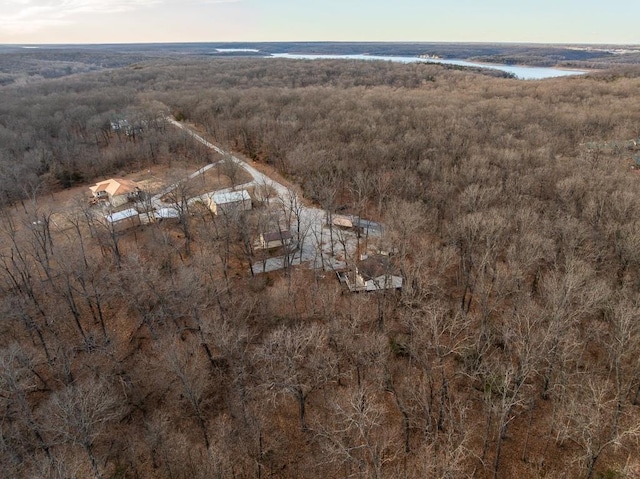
426, 42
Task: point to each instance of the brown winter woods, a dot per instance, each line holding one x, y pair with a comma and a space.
511, 208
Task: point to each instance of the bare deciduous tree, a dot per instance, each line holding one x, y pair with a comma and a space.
297, 362
80, 414
589, 421
180, 360
363, 439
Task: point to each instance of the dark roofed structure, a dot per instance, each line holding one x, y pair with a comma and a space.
275, 239
376, 266
374, 273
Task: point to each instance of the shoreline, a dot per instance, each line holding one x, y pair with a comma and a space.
521, 72
522, 65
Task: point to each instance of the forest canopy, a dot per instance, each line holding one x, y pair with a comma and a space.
510, 208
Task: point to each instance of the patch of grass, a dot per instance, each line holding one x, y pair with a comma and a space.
611, 474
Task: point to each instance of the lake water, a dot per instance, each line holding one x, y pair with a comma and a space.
520, 71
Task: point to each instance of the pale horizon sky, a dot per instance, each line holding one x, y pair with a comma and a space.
164, 21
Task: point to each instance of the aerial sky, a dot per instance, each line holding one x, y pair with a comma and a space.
133, 21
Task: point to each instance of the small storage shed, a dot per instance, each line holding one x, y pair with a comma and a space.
275, 239
123, 219
166, 214
229, 201
374, 274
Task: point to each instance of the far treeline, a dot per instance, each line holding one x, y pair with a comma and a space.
510, 207
25, 64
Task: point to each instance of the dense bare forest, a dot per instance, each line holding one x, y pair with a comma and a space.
510, 207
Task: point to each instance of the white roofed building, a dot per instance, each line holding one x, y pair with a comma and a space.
225, 202
123, 219
166, 213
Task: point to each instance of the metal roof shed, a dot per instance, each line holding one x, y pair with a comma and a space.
166, 213
228, 201
121, 215
225, 197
